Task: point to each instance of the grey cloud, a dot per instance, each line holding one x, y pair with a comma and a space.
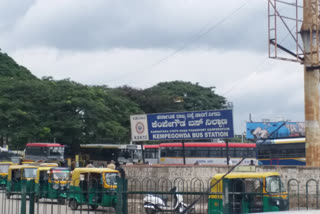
97, 24
12, 11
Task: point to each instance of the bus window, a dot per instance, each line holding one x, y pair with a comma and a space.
213, 152
203, 152
241, 152
150, 153
224, 152
232, 152
253, 152
189, 152
163, 152
176, 152
171, 152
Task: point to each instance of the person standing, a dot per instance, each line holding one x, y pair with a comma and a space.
121, 170
111, 165
90, 165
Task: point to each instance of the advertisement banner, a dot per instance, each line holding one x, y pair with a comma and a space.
261, 130
182, 125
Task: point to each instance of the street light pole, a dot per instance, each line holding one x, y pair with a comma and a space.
183, 153
227, 151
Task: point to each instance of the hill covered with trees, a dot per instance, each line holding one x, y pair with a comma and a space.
47, 110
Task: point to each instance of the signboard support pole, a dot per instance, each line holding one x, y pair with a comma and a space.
142, 149
183, 153
227, 151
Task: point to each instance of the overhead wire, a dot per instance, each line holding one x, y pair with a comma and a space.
200, 34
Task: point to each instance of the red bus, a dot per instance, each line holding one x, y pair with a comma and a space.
44, 152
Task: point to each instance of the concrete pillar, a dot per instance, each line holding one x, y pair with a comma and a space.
310, 35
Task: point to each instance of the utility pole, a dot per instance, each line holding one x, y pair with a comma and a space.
310, 36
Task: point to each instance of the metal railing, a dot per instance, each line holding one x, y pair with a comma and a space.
132, 196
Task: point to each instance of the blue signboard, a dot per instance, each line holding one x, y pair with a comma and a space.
261, 130
182, 125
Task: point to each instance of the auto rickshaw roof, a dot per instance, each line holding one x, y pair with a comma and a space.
44, 168
6, 163
77, 171
13, 167
49, 164
27, 162
22, 166
246, 175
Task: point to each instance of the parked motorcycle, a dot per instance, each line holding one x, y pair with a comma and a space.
156, 204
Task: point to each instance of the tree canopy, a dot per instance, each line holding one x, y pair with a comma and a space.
47, 110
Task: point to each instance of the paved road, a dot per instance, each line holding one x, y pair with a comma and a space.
13, 206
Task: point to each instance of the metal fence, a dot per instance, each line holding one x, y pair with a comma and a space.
132, 196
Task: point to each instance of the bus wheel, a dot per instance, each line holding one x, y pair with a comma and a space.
61, 201
73, 204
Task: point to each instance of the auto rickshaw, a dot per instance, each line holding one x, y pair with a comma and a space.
4, 168
53, 183
93, 187
16, 174
247, 193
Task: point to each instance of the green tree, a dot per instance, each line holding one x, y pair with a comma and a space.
175, 96
44, 110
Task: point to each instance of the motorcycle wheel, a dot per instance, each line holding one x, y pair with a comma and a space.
150, 211
183, 208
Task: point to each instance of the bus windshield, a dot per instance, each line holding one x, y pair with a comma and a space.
36, 150
56, 151
4, 168
274, 184
29, 173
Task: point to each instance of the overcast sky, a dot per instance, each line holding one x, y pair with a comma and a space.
143, 42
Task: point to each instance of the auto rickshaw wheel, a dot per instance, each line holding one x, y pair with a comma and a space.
94, 207
36, 198
73, 204
8, 195
61, 201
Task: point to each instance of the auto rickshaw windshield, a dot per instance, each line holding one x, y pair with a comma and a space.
61, 175
29, 173
274, 184
111, 178
4, 168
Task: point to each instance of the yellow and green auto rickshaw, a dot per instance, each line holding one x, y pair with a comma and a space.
247, 193
93, 187
52, 183
18, 173
4, 168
